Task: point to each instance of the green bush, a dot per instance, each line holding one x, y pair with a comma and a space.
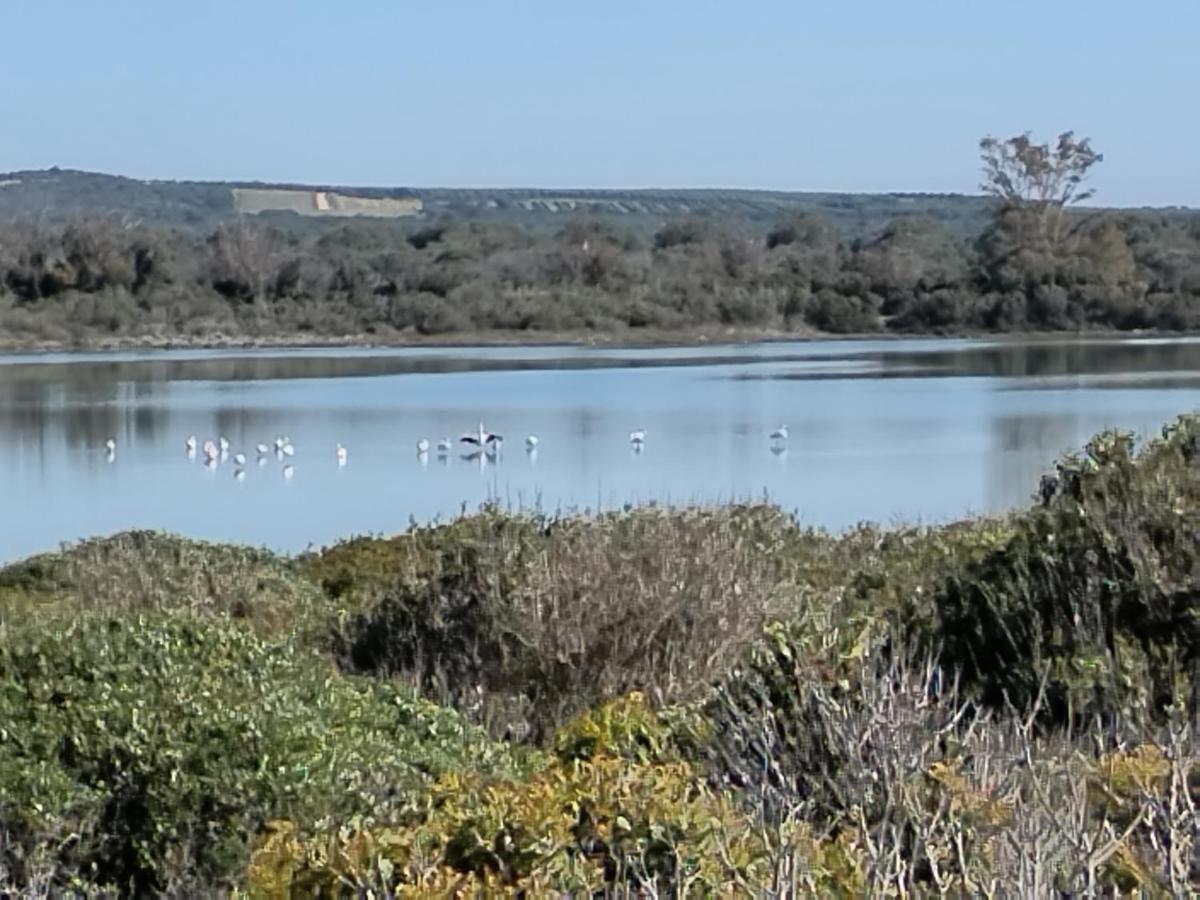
161, 746
1094, 602
145, 571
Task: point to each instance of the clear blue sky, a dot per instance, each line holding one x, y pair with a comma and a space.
840, 96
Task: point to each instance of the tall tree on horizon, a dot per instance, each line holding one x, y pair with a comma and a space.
1036, 183
1031, 244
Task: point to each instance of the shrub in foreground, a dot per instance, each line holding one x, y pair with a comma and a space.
146, 571
543, 618
927, 798
149, 750
1095, 600
628, 816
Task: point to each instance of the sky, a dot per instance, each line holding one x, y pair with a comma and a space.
856, 95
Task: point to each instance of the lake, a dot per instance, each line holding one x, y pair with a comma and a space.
921, 430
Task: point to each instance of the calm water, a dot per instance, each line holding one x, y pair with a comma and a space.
915, 430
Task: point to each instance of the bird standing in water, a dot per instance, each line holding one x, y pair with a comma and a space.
482, 438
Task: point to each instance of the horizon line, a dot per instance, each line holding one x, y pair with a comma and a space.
557, 189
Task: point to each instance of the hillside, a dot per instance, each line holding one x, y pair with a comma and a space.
56, 195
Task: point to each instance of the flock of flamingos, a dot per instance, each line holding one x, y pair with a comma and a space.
483, 443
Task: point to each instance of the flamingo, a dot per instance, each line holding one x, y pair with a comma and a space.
210, 451
444, 446
637, 438
263, 449
288, 450
422, 446
239, 459
111, 445
780, 433
532, 441
341, 455
481, 438
223, 443
279, 442
190, 443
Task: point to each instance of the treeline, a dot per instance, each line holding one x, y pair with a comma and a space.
96, 280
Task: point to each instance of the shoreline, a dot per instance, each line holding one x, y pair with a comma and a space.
649, 339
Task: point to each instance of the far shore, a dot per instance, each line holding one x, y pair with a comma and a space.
639, 338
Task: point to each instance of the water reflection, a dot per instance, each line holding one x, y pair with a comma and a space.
1015, 470
920, 429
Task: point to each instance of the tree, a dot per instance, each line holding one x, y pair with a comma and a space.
1037, 182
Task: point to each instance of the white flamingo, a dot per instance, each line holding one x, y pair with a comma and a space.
239, 459
341, 455
422, 447
532, 441
481, 438
111, 445
637, 438
263, 449
223, 443
190, 443
210, 451
279, 442
288, 450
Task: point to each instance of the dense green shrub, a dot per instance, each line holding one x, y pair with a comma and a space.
92, 281
1095, 600
145, 571
149, 750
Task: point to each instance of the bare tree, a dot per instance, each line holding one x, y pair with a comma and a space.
1037, 181
1020, 172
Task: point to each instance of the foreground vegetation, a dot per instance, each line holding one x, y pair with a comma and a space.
1039, 264
650, 703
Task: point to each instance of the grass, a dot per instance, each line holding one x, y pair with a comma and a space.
672, 701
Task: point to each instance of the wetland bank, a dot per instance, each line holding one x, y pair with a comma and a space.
679, 700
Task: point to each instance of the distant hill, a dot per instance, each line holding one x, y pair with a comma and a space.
54, 195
